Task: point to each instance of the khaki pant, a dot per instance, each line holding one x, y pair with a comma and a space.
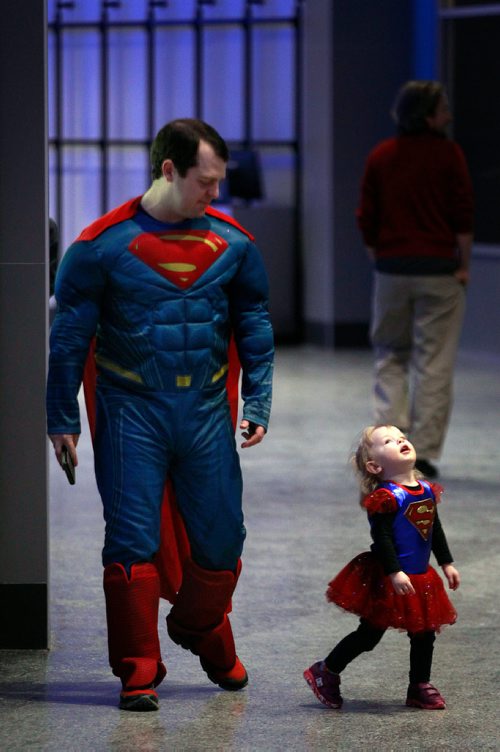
416, 324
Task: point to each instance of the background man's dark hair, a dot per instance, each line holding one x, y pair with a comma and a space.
416, 101
179, 141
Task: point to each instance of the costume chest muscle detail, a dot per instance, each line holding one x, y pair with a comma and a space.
162, 301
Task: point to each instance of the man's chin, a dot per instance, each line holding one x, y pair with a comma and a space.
198, 211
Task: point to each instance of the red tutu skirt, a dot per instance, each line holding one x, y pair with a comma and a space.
362, 588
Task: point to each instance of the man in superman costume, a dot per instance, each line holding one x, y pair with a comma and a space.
160, 285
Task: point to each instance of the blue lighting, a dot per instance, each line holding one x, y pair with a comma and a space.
425, 39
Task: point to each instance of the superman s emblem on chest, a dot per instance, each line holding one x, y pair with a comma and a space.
421, 515
181, 256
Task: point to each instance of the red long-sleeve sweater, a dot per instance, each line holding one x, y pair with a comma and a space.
416, 196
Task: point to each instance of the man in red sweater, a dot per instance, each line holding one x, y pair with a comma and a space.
416, 218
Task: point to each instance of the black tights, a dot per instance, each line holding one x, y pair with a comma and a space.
366, 637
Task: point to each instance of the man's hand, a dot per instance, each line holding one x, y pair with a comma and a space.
462, 275
252, 433
70, 440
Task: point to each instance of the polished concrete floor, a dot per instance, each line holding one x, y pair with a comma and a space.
303, 524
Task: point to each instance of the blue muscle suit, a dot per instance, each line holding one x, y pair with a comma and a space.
162, 301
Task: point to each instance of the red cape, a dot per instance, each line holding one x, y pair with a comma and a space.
174, 543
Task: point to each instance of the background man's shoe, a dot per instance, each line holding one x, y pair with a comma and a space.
427, 469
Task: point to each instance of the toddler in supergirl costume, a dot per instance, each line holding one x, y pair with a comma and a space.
392, 585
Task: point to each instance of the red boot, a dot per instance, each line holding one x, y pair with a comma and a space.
198, 622
134, 648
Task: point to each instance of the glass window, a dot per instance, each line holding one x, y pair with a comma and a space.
223, 83
81, 84
108, 66
174, 75
53, 207
79, 10
81, 190
275, 8
128, 173
128, 84
225, 9
127, 10
273, 82
176, 10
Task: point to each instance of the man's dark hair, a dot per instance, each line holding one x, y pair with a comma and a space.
179, 141
415, 102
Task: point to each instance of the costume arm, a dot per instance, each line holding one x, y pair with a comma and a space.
248, 296
79, 285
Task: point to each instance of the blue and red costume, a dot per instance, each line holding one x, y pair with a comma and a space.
364, 588
161, 302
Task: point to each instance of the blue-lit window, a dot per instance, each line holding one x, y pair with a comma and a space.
119, 71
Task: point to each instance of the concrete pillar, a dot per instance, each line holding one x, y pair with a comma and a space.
23, 321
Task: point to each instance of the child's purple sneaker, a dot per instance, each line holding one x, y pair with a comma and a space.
325, 684
425, 696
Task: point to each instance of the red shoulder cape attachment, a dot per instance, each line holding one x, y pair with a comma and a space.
129, 208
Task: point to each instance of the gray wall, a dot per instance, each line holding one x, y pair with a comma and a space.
318, 184
23, 317
481, 331
372, 58
357, 54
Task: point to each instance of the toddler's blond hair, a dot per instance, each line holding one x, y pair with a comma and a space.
361, 455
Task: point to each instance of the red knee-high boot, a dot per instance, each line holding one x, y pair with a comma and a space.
134, 649
198, 621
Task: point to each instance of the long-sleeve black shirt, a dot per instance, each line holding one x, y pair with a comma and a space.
382, 535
